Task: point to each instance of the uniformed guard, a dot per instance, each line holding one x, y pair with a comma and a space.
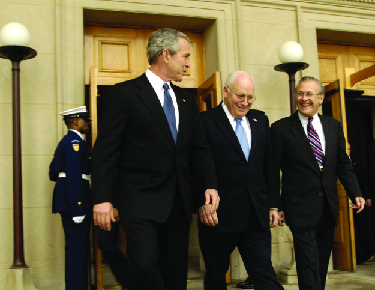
70, 168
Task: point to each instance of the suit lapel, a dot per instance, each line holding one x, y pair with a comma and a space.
151, 101
299, 134
182, 111
223, 123
254, 129
327, 129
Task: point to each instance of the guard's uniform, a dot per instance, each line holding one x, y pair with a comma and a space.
70, 168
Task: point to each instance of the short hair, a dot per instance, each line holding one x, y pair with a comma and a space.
165, 38
321, 89
232, 76
69, 122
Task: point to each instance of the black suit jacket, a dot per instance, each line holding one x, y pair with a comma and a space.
135, 137
240, 181
303, 184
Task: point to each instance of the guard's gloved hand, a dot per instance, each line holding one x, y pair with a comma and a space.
78, 219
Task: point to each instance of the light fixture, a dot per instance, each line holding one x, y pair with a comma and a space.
15, 37
14, 33
290, 54
290, 51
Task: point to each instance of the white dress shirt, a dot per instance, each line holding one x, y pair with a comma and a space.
317, 124
157, 83
245, 124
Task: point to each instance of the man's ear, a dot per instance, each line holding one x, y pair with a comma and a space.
321, 99
76, 122
166, 55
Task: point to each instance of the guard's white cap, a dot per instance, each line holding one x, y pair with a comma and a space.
79, 112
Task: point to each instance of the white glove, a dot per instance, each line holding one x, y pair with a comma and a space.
78, 219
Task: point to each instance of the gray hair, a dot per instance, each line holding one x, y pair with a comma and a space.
232, 76
165, 38
321, 89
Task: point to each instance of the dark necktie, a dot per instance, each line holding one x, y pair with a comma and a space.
169, 111
242, 137
315, 143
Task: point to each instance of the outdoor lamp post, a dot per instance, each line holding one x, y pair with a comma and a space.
290, 54
14, 38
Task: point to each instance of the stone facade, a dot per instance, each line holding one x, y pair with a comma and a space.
238, 35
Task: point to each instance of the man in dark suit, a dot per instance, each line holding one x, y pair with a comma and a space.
151, 135
70, 168
249, 198
310, 151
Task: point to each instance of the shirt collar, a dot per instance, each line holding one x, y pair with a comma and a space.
78, 133
306, 119
156, 82
229, 115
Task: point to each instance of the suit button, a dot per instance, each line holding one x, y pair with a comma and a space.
173, 176
320, 194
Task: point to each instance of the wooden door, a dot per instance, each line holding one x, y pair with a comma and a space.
114, 55
334, 59
343, 252
119, 54
209, 93
95, 251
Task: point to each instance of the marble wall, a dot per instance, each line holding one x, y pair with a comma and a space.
243, 35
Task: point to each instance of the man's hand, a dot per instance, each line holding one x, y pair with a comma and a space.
274, 218
368, 202
206, 216
213, 197
282, 220
116, 215
360, 204
103, 215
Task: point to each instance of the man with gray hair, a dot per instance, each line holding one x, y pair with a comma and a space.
242, 150
310, 151
151, 135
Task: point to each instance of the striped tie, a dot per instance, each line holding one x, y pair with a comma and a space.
315, 143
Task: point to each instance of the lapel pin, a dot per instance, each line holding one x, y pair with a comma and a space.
184, 100
255, 120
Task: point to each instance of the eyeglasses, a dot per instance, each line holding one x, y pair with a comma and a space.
307, 94
243, 97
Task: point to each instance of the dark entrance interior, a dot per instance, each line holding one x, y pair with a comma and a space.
362, 143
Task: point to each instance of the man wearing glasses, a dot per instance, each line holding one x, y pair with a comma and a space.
310, 151
241, 147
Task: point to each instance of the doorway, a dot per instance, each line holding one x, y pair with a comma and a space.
358, 119
119, 54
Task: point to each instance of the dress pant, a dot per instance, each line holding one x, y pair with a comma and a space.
254, 246
109, 245
313, 246
76, 252
157, 253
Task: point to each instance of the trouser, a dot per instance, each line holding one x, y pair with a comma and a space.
76, 252
254, 247
157, 253
109, 245
313, 246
